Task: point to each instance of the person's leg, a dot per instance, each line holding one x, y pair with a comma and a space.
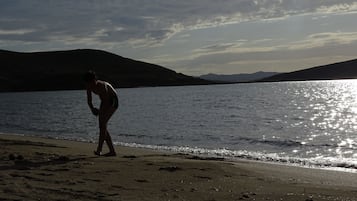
108, 137
104, 135
110, 143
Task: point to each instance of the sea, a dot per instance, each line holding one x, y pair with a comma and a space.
311, 124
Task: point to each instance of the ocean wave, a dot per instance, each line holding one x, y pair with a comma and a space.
337, 163
133, 135
287, 143
272, 142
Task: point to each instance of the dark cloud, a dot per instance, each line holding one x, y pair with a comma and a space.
152, 21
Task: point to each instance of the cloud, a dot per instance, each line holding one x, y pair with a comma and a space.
138, 22
314, 49
219, 47
16, 32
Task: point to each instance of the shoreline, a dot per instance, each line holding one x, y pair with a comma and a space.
34, 168
219, 156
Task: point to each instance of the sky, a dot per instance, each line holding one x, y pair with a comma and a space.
193, 37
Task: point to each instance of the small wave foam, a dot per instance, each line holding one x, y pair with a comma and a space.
341, 164
281, 143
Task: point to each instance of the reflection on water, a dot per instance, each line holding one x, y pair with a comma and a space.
293, 121
331, 111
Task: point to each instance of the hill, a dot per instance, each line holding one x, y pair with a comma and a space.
62, 70
341, 70
237, 77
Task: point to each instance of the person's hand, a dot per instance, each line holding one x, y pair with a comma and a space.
95, 111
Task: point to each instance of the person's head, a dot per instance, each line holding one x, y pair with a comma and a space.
90, 78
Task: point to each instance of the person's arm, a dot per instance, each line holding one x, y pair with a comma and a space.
90, 104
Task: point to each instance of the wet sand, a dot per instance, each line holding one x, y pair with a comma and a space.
45, 169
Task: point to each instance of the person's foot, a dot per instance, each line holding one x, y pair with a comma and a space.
110, 154
97, 153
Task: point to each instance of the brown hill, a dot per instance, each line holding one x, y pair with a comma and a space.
62, 70
341, 70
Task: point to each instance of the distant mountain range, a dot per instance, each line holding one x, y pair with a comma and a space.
238, 77
62, 70
341, 70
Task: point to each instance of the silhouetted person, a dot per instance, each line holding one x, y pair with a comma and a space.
108, 105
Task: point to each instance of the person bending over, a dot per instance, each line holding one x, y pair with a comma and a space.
108, 105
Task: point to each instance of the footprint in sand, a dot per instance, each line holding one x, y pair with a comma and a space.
203, 177
130, 157
13, 157
170, 169
141, 180
45, 174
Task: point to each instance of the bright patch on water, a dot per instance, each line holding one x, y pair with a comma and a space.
302, 123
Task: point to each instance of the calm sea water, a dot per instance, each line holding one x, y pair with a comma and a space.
302, 123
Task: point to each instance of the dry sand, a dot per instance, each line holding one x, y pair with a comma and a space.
44, 169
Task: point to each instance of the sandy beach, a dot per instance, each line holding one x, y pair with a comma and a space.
45, 169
